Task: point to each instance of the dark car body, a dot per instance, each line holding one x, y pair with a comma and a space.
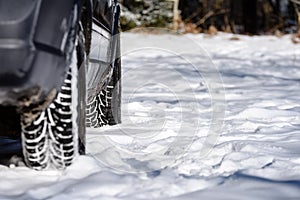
33, 48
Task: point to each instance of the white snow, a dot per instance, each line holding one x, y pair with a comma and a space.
203, 118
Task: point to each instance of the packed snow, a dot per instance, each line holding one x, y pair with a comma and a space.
204, 117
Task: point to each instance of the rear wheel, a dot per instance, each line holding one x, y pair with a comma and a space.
105, 107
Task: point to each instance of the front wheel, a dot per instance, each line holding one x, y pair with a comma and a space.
57, 134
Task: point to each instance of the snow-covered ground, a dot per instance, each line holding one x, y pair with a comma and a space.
203, 118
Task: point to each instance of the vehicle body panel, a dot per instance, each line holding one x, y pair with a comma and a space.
33, 48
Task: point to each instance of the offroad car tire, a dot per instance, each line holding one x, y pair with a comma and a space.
57, 135
99, 107
105, 107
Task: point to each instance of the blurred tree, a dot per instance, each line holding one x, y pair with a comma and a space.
237, 16
297, 10
250, 16
191, 10
146, 13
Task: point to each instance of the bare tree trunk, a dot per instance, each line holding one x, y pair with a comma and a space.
297, 9
175, 14
250, 16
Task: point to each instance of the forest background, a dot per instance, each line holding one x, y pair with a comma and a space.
196, 16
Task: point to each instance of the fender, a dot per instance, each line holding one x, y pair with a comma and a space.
34, 47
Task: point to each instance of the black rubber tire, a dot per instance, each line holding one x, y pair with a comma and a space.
98, 108
57, 135
53, 138
105, 107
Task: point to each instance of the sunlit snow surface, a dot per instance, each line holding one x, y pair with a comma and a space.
170, 145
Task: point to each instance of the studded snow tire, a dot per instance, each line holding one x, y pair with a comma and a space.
51, 139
